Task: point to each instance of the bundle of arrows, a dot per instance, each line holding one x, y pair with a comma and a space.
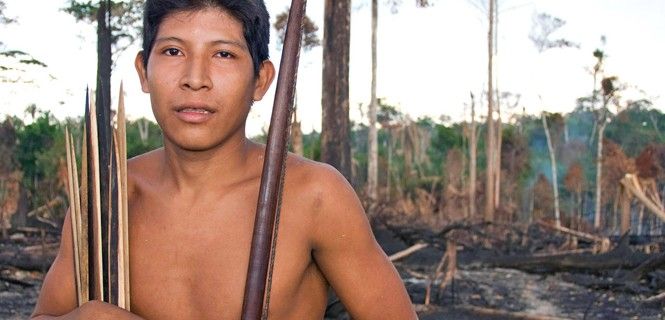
98, 207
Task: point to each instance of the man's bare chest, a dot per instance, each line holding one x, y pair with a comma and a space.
193, 263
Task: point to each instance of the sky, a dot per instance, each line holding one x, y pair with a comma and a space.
429, 59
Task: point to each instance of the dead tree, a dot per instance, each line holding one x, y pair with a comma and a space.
473, 144
555, 183
335, 130
491, 141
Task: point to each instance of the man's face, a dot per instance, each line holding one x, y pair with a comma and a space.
201, 79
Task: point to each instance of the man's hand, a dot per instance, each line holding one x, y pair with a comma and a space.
57, 299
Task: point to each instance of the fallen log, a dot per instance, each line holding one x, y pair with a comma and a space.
28, 262
612, 281
16, 282
48, 206
632, 184
653, 262
34, 231
407, 252
604, 242
40, 247
621, 257
35, 258
657, 299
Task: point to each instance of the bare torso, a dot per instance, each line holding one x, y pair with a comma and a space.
190, 243
189, 252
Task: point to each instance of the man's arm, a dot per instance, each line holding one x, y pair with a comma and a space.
347, 253
57, 299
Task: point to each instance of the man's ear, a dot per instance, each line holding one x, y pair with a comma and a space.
264, 79
142, 71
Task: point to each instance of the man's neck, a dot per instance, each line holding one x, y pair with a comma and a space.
219, 167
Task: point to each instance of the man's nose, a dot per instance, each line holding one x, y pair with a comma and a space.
197, 75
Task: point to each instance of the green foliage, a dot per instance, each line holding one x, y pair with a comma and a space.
636, 127
82, 10
444, 138
312, 145
360, 148
388, 115
40, 152
143, 135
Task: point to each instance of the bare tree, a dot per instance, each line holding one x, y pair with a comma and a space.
373, 161
555, 183
473, 144
490, 142
603, 115
543, 27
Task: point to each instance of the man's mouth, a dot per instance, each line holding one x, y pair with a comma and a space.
194, 114
195, 110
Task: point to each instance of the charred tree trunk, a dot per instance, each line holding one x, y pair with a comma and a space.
373, 161
104, 62
473, 144
489, 148
103, 109
499, 137
497, 155
335, 129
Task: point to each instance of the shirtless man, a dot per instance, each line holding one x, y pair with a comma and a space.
192, 203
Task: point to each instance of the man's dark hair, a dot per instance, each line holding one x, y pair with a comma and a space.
251, 13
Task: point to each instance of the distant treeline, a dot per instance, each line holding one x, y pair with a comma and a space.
423, 163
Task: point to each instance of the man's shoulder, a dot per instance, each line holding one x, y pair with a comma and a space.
318, 182
142, 168
314, 175
144, 161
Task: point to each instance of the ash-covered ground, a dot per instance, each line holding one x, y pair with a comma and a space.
483, 288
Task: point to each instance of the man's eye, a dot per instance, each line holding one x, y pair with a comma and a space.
225, 54
172, 52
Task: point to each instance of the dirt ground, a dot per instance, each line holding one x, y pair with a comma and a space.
503, 289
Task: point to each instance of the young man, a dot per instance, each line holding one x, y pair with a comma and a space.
192, 203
